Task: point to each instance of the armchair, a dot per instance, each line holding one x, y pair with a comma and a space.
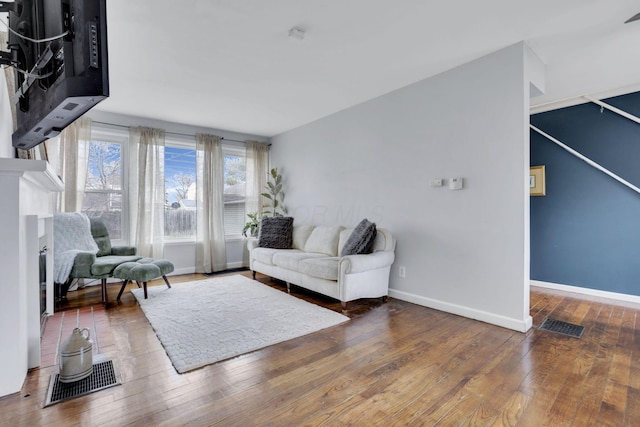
87, 265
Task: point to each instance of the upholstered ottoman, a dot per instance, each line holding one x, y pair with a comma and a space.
142, 271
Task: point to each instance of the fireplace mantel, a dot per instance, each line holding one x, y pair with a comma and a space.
27, 192
38, 171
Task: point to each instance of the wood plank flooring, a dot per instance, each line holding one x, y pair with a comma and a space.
392, 364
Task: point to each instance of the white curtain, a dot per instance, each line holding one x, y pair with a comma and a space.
211, 253
257, 155
8, 72
68, 155
146, 191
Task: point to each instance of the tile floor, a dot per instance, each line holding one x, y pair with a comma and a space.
60, 326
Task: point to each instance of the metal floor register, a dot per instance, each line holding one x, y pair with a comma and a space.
103, 376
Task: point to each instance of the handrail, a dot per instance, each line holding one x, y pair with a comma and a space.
614, 109
586, 159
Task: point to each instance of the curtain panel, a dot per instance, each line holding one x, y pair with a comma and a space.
146, 190
257, 170
211, 252
8, 73
69, 156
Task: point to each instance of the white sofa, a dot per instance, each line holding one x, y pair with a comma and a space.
314, 263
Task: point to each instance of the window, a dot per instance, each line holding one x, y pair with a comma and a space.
234, 190
180, 191
103, 192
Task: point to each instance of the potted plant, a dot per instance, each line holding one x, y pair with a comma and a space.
273, 207
251, 227
274, 195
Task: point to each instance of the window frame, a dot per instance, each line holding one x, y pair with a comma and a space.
237, 151
179, 141
115, 134
109, 134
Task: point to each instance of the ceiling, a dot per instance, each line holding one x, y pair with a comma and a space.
229, 64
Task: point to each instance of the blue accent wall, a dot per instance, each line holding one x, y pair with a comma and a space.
586, 230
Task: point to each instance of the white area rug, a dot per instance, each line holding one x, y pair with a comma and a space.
205, 321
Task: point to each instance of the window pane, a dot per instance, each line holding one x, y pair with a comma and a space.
108, 206
180, 188
105, 166
234, 188
103, 193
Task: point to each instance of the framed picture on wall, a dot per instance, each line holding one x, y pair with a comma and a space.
536, 181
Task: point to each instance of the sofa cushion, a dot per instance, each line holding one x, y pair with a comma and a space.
291, 259
301, 234
322, 268
264, 255
383, 242
361, 239
276, 232
344, 236
324, 240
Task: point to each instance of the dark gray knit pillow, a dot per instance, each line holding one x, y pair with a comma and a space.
276, 232
361, 239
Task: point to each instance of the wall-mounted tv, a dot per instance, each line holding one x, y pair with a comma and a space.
59, 51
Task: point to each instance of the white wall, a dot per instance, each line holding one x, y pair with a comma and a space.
464, 251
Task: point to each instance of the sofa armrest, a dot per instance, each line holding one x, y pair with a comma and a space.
82, 265
358, 263
252, 243
123, 250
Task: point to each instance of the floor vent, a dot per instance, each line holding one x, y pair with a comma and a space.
103, 376
564, 328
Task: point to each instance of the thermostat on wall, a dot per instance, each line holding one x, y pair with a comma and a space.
455, 184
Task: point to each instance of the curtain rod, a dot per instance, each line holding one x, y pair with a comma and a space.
172, 133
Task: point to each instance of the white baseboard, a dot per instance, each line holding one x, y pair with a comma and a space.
232, 265
587, 291
494, 319
192, 270
183, 270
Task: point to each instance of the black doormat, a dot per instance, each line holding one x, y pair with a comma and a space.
103, 376
564, 328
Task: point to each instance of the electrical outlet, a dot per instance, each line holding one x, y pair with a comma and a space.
402, 271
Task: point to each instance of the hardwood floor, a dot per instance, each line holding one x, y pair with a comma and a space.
392, 364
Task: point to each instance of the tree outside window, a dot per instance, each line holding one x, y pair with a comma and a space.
180, 192
103, 191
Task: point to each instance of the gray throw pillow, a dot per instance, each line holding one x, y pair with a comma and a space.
276, 232
361, 239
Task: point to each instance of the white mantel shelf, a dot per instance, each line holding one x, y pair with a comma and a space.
38, 171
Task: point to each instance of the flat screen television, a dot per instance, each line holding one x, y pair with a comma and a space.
66, 76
